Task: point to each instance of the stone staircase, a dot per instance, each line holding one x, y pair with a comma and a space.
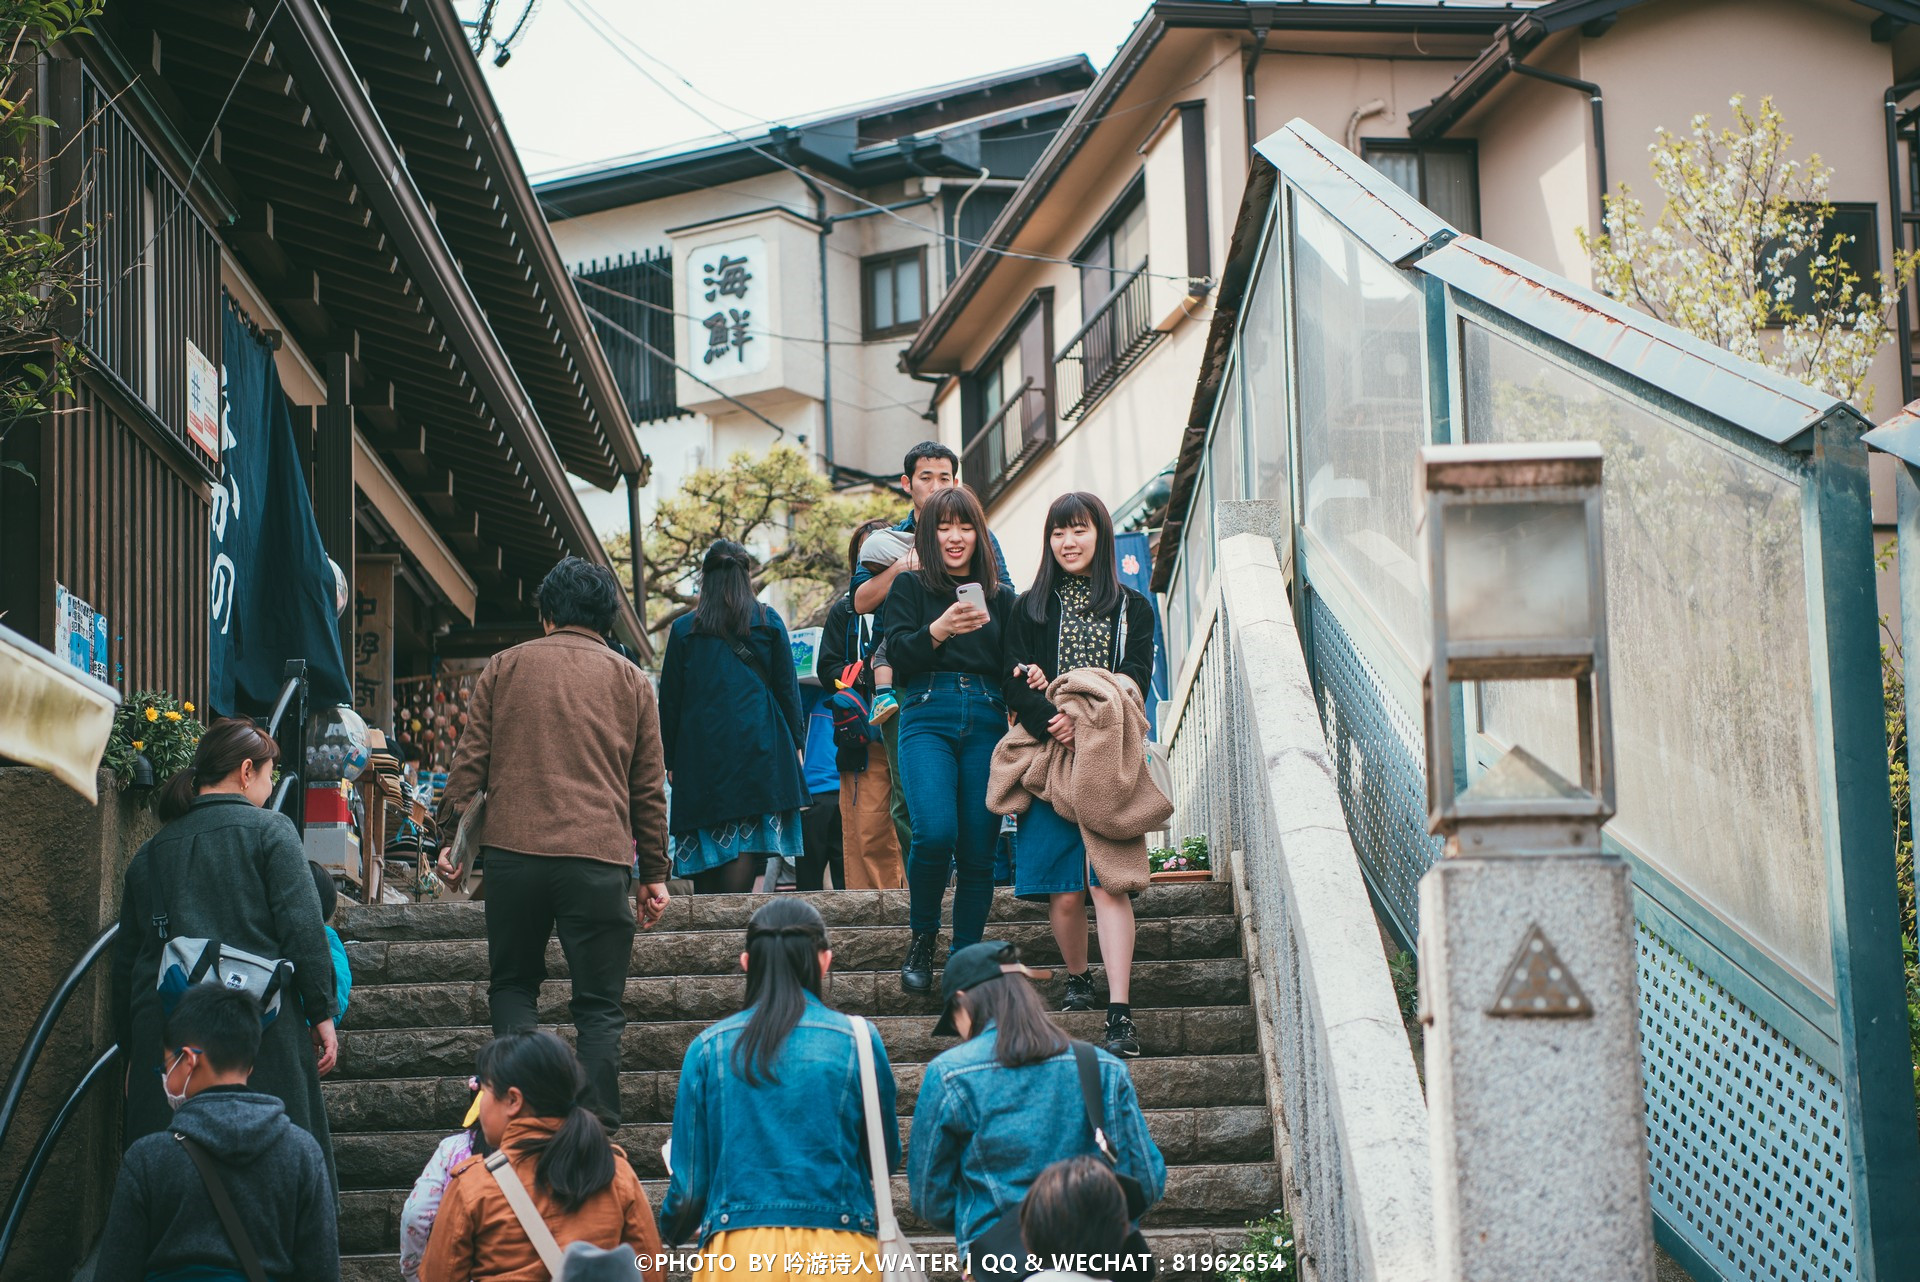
419, 1012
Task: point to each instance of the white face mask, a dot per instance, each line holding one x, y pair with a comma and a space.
175, 1101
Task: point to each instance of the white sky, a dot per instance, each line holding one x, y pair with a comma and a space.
570, 99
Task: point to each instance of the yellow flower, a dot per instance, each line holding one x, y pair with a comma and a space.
139, 745
173, 716
187, 706
153, 714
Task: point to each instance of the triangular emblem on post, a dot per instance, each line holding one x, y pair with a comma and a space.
1538, 984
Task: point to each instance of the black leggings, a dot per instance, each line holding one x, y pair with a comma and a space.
736, 878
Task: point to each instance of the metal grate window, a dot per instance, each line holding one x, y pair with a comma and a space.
634, 295
151, 272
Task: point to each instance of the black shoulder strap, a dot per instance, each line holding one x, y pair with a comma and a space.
745, 654
1091, 1096
224, 1208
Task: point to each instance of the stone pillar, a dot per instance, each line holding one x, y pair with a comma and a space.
1533, 1070
64, 860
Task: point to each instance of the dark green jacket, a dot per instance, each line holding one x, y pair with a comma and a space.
230, 871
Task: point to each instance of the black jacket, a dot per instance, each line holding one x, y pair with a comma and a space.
909, 615
230, 871
844, 638
162, 1219
1030, 642
732, 742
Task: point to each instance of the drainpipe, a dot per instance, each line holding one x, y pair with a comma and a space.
826, 336
1261, 18
1374, 108
1892, 104
634, 535
1592, 91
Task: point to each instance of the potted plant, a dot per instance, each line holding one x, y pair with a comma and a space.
154, 737
1189, 862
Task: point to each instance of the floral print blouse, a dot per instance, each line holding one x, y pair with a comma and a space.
1086, 638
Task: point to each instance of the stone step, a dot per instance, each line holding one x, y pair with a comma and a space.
438, 1103
1218, 981
1185, 1136
730, 912
1181, 1253
448, 1051
1221, 1194
717, 952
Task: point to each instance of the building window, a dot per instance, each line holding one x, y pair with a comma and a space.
1008, 410
1443, 176
1116, 328
893, 291
1857, 232
1116, 251
630, 301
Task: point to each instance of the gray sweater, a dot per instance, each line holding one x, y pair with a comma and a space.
162, 1219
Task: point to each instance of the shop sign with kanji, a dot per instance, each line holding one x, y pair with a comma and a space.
728, 295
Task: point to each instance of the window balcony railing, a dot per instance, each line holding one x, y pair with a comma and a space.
1112, 341
1008, 441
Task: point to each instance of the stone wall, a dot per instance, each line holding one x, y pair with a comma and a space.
61, 862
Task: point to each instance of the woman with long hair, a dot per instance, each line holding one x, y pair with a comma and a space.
945, 628
225, 870
769, 1151
1005, 1104
1077, 614
731, 726
532, 1112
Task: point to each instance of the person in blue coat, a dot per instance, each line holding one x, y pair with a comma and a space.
731, 727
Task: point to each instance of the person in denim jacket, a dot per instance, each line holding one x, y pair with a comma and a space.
997, 1110
769, 1153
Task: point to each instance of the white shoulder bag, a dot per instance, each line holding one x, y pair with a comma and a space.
896, 1253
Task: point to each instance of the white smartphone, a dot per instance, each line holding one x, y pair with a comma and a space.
971, 594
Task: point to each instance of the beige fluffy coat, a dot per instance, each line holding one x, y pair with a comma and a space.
1100, 781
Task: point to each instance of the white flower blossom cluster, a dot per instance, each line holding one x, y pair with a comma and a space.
1742, 226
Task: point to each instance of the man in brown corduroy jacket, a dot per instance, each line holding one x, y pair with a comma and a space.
563, 737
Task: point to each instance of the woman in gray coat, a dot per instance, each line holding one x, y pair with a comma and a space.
225, 869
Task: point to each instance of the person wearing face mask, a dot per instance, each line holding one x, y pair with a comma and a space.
227, 870
162, 1222
1077, 615
944, 628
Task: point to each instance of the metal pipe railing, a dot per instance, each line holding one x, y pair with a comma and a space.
23, 1191
43, 1028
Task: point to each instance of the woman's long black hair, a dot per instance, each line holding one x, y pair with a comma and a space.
226, 743
727, 606
577, 1161
784, 943
1027, 1034
1077, 508
955, 503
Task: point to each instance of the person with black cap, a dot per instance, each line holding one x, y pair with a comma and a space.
1008, 1102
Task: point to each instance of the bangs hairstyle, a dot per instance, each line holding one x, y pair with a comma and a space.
954, 504
1077, 508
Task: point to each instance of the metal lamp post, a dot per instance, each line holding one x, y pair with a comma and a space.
1526, 927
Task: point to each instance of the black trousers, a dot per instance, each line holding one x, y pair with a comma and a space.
590, 901
821, 847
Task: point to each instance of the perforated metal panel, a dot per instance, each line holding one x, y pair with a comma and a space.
1380, 768
1747, 1134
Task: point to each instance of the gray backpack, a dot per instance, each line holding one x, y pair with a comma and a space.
185, 962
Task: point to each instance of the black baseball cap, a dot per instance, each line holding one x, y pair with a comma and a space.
976, 964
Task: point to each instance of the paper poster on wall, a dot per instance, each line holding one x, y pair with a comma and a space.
728, 295
203, 402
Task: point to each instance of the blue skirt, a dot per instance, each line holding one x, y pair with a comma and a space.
1049, 856
763, 835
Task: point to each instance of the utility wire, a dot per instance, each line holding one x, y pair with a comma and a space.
628, 334
609, 35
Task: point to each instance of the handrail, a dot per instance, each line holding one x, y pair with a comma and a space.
23, 1191
37, 1039
1111, 340
1100, 310
288, 727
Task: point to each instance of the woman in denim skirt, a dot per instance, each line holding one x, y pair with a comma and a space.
769, 1150
1077, 614
947, 668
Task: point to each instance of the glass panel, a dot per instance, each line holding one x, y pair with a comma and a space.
1196, 546
1451, 189
906, 291
880, 295
1360, 330
1176, 613
1707, 636
1517, 572
1130, 240
1223, 452
1264, 383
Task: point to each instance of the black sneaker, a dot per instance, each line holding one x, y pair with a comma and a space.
1079, 991
1122, 1040
916, 972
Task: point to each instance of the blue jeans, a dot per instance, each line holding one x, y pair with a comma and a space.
949, 724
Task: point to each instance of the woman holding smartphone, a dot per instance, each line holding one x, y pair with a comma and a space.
945, 627
1077, 615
